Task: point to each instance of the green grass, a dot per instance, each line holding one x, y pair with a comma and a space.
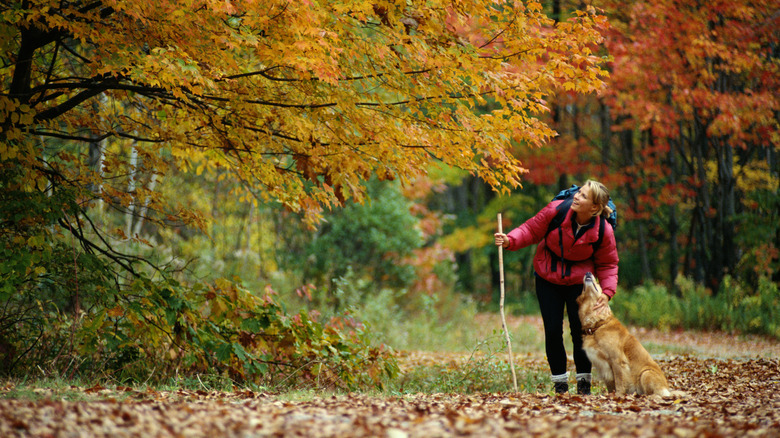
57, 389
201, 382
656, 350
489, 374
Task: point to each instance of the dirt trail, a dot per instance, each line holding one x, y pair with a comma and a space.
680, 342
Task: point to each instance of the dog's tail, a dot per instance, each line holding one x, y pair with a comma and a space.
653, 382
669, 393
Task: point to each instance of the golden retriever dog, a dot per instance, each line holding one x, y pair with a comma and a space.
618, 358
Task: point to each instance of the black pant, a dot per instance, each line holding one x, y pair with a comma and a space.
552, 299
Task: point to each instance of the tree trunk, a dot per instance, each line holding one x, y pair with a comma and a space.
139, 222
131, 190
627, 147
20, 83
727, 257
96, 158
673, 224
703, 233
726, 212
575, 123
773, 163
606, 133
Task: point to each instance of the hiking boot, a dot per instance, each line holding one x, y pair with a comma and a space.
561, 387
583, 387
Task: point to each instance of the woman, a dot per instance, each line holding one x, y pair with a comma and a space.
562, 259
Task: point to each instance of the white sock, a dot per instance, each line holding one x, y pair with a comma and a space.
583, 376
560, 378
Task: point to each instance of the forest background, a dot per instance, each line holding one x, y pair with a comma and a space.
285, 193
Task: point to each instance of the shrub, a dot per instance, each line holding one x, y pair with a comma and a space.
372, 239
213, 329
737, 307
649, 305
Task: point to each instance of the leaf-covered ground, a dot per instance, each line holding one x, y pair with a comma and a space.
733, 385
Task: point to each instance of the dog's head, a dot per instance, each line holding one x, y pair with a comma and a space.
591, 292
590, 287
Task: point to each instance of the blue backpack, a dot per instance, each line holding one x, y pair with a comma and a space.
568, 196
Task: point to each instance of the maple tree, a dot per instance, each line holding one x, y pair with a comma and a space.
693, 97
104, 104
301, 101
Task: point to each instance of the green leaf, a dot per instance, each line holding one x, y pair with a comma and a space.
224, 352
251, 324
239, 351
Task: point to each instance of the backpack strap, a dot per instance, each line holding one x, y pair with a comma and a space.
560, 215
556, 222
597, 243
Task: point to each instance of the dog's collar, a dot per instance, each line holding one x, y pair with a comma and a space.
590, 331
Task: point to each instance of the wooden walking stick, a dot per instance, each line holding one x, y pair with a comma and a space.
501, 306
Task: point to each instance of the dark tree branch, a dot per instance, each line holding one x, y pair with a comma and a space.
264, 73
77, 55
101, 84
72, 137
31, 40
68, 105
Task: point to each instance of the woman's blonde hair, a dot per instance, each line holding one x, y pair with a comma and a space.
599, 194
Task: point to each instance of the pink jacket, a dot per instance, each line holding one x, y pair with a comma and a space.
579, 256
